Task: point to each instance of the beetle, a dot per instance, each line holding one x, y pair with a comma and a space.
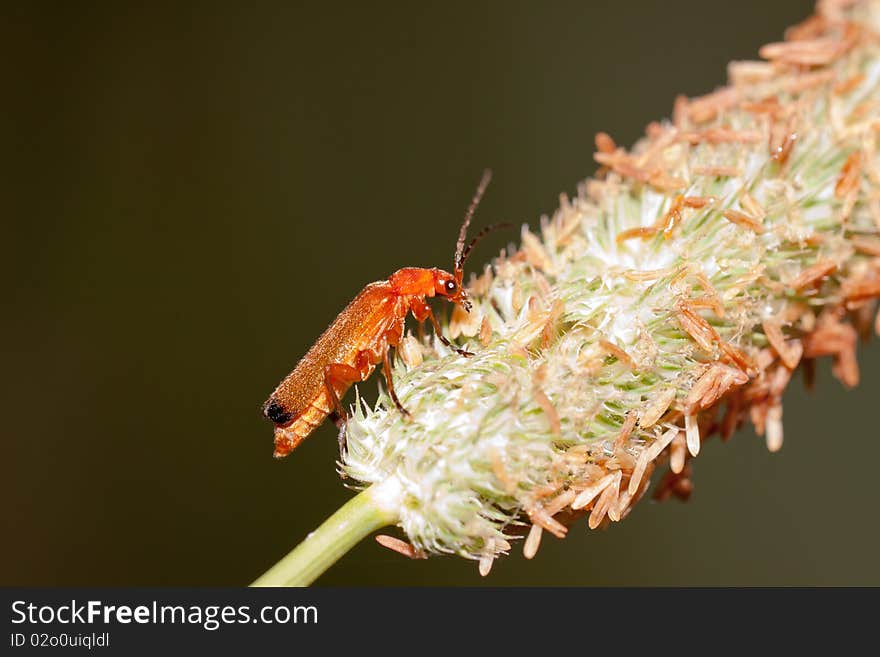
360, 338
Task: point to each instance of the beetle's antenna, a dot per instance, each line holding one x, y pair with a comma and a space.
462, 234
488, 229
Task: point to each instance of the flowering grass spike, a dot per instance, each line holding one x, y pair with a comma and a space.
670, 300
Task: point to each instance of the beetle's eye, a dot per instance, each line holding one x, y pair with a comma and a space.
451, 287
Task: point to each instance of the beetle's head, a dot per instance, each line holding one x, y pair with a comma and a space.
449, 286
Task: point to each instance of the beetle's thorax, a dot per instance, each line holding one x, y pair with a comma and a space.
415, 281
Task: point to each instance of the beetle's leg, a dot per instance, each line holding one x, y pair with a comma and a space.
391, 338
436, 325
345, 375
423, 312
386, 370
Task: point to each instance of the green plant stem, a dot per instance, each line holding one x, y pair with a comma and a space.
364, 513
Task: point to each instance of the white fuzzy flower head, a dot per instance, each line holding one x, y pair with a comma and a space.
693, 274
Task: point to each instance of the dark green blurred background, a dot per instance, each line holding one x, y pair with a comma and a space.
195, 192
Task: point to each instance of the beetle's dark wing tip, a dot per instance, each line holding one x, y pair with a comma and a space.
276, 412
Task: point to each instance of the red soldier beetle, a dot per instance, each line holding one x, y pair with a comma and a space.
359, 339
